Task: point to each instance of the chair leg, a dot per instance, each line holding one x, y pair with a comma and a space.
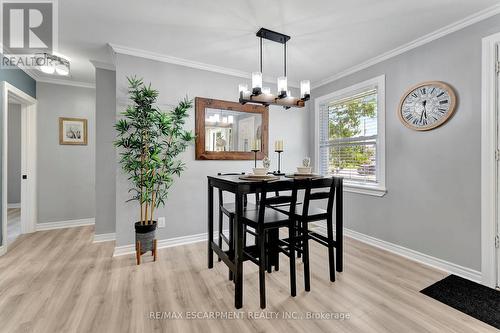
269, 250
305, 257
291, 236
331, 254
231, 244
244, 235
262, 268
220, 231
276, 251
298, 237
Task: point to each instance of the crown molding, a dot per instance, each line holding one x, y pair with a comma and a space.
453, 27
103, 65
119, 49
35, 76
79, 84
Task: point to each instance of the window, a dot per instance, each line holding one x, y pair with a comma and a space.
351, 137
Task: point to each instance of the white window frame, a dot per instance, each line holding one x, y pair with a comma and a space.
378, 82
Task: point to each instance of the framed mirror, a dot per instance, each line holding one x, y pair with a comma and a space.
230, 131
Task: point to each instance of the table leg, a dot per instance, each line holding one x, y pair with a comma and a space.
238, 260
339, 226
210, 218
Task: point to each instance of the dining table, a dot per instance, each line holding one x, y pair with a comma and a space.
242, 186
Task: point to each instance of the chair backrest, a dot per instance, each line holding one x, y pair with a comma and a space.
268, 187
327, 186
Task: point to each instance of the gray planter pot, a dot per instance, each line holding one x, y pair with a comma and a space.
145, 234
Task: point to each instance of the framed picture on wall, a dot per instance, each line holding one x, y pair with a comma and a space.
72, 131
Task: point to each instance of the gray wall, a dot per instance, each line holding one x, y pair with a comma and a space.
105, 159
22, 81
14, 154
185, 210
433, 178
65, 173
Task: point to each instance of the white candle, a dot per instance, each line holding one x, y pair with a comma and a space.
255, 144
278, 145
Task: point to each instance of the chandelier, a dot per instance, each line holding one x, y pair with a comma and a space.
262, 95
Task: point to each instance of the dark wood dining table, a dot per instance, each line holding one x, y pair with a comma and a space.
240, 187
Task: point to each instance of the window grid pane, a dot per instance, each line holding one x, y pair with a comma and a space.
348, 132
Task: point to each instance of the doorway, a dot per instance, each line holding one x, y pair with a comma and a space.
14, 171
22, 214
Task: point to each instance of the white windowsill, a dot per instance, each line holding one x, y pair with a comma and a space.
374, 190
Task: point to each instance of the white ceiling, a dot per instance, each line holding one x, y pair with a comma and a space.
328, 36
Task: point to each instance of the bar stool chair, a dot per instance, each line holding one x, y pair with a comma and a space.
313, 214
265, 220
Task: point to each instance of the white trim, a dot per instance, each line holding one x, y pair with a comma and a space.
14, 205
120, 49
379, 189
422, 258
103, 65
104, 237
64, 224
489, 143
453, 27
54, 80
71, 83
28, 157
376, 191
128, 249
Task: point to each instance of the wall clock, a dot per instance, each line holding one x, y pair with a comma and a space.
427, 105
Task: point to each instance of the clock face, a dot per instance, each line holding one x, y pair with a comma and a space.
427, 105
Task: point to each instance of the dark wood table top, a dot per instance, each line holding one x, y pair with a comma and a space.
236, 179
234, 183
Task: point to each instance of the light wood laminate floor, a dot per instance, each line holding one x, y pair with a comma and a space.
13, 224
59, 281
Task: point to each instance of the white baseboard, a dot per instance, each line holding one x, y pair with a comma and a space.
104, 237
14, 205
3, 250
177, 241
422, 258
128, 249
64, 224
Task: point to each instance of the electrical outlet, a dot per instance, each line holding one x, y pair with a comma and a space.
161, 222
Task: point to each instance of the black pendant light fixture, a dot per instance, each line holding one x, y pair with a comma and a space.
262, 95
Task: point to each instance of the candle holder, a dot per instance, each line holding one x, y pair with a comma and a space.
279, 173
255, 151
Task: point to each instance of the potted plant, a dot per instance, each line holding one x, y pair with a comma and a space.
150, 142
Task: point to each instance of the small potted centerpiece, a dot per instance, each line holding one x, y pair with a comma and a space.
150, 141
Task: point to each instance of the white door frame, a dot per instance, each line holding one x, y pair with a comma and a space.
489, 154
28, 158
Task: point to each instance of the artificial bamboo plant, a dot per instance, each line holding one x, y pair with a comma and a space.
150, 141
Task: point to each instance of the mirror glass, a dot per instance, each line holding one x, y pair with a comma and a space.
232, 131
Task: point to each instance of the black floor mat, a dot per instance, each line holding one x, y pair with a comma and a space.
474, 299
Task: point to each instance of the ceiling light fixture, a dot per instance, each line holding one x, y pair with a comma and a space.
52, 64
260, 95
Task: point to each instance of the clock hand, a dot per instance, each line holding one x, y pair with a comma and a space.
425, 109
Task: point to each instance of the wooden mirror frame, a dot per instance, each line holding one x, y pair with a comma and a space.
202, 103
